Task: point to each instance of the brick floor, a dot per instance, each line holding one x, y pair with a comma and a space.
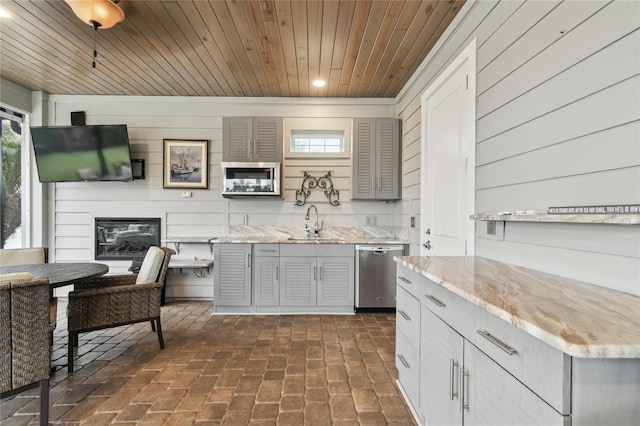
224, 370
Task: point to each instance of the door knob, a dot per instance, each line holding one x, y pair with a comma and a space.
428, 231
427, 245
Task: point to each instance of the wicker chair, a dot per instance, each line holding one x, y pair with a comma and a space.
25, 354
115, 300
27, 256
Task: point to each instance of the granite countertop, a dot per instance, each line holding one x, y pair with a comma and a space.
294, 235
579, 319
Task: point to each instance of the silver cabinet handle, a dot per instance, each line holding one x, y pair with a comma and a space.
315, 273
249, 260
463, 405
249, 146
435, 300
268, 251
277, 273
499, 343
452, 367
321, 275
404, 315
404, 361
403, 279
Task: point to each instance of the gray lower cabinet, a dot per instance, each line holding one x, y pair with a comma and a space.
317, 275
477, 369
232, 274
266, 274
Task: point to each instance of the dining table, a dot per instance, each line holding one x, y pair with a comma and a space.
60, 274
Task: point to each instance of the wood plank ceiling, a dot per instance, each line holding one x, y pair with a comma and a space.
223, 48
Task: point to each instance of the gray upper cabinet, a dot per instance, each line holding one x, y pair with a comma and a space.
252, 139
376, 159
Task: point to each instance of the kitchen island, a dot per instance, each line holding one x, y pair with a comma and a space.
478, 334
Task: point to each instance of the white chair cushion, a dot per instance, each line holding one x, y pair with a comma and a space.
21, 256
7, 278
150, 266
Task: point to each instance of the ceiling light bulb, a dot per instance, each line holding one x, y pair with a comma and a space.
103, 12
319, 83
4, 13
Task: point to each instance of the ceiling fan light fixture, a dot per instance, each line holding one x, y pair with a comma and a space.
101, 14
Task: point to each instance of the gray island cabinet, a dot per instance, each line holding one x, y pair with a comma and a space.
284, 278
481, 342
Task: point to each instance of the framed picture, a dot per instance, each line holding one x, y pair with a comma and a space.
186, 164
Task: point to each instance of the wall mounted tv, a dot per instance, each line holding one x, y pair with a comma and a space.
82, 153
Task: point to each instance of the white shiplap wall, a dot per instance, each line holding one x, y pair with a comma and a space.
558, 123
207, 213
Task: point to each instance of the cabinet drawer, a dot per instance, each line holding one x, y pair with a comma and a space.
408, 316
408, 365
409, 280
450, 307
543, 369
266, 250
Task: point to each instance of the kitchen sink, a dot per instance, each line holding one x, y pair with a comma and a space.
315, 239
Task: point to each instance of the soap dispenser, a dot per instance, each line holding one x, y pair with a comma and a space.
305, 232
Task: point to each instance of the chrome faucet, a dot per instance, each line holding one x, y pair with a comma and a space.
316, 229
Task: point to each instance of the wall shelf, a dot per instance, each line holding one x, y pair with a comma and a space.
613, 219
176, 241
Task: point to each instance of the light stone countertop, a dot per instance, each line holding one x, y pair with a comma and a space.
294, 235
612, 219
579, 319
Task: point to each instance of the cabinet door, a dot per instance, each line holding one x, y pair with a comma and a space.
265, 281
492, 396
376, 159
364, 159
387, 159
267, 139
232, 274
441, 357
298, 281
336, 281
237, 136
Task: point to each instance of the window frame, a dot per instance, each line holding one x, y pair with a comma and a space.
317, 126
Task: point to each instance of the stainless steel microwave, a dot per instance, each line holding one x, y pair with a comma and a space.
248, 178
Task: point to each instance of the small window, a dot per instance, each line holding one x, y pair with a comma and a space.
317, 141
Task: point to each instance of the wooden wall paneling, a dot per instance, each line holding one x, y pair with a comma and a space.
299, 20
374, 21
314, 32
510, 30
607, 108
617, 240
173, 37
604, 69
50, 40
405, 33
353, 45
186, 34
616, 272
272, 40
329, 32
386, 39
614, 148
567, 19
606, 187
283, 16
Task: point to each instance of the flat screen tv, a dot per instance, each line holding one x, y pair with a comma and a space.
82, 153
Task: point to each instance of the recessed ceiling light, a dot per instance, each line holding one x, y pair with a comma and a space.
319, 83
4, 13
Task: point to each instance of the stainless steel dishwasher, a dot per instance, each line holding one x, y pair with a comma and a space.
376, 276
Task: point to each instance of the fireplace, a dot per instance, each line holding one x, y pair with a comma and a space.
125, 238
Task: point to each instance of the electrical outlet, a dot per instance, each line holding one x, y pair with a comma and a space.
371, 221
413, 221
187, 194
491, 227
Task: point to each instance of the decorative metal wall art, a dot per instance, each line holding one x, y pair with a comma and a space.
309, 182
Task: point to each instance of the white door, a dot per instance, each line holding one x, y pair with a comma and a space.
448, 160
